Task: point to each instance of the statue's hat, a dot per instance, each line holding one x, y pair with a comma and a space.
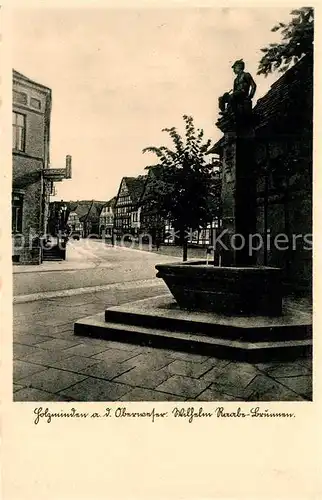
239, 62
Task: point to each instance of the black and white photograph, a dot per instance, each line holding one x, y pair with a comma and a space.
162, 169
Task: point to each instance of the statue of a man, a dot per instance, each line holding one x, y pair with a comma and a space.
244, 88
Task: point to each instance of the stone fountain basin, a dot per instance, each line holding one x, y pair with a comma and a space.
196, 285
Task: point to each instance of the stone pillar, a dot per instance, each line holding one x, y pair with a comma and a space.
238, 191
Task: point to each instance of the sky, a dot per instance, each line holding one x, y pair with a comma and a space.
118, 76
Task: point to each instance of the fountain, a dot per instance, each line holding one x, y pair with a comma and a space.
238, 286
234, 310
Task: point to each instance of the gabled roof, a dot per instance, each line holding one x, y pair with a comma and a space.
110, 203
135, 186
86, 210
81, 209
216, 148
153, 171
94, 211
285, 92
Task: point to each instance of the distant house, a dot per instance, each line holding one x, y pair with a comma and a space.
74, 222
150, 221
83, 217
127, 206
106, 219
91, 220
77, 211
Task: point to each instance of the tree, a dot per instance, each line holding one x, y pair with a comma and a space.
297, 42
182, 187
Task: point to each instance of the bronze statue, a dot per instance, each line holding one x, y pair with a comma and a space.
243, 91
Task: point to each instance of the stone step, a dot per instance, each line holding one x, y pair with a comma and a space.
51, 257
163, 312
52, 254
96, 326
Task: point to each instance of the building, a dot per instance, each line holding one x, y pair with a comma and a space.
106, 219
91, 220
127, 206
283, 158
32, 178
77, 213
76, 227
82, 217
151, 223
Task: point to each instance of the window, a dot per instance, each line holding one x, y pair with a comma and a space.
17, 213
18, 131
35, 103
124, 199
19, 97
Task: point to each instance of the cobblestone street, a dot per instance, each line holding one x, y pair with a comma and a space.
52, 364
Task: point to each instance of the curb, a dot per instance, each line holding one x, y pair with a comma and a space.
21, 299
60, 269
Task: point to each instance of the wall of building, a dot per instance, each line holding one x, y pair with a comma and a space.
106, 222
75, 225
122, 211
28, 165
284, 207
135, 220
284, 151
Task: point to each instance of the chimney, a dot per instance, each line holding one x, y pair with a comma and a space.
68, 167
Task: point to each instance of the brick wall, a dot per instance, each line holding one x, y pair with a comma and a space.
284, 206
28, 166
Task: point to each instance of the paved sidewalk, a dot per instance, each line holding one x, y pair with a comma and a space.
51, 266
19, 299
52, 364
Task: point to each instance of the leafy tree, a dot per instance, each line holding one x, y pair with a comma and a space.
182, 187
297, 41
